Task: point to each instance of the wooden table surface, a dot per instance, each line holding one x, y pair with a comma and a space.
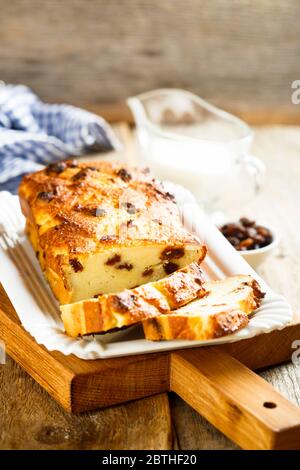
30, 419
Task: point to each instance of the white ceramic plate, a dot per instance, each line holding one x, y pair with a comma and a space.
45, 324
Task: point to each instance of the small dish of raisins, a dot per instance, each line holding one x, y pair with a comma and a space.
254, 241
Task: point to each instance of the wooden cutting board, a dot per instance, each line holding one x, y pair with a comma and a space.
216, 381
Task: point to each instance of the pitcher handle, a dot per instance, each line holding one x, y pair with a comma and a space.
256, 168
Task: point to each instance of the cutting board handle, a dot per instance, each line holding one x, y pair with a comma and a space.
242, 405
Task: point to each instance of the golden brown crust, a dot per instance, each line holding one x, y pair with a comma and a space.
173, 326
131, 306
180, 288
228, 322
258, 294
75, 209
71, 211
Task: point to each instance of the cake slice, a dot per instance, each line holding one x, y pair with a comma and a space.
103, 227
131, 306
222, 311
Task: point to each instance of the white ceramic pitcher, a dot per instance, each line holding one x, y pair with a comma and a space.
191, 142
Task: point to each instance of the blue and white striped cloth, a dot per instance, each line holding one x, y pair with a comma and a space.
33, 133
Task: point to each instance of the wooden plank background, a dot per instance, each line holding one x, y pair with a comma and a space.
242, 55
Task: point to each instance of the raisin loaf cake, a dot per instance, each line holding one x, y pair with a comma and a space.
103, 227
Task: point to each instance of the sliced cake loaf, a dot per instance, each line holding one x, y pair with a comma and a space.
222, 311
111, 311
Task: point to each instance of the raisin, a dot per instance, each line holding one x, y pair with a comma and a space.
263, 231
124, 175
76, 265
172, 253
127, 266
46, 195
247, 243
170, 267
113, 260
247, 222
147, 271
233, 230
80, 174
58, 167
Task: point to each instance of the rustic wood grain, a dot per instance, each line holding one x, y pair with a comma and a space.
194, 432
241, 55
31, 420
234, 399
